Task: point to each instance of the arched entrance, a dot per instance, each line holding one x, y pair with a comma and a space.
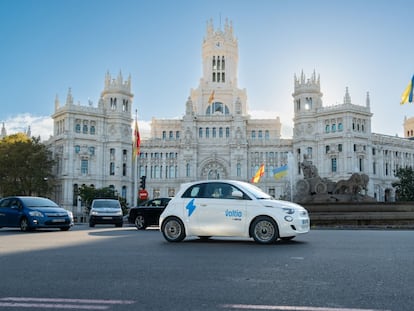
213, 169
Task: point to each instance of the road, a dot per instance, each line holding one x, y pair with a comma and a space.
107, 268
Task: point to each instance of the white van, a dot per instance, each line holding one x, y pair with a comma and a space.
106, 211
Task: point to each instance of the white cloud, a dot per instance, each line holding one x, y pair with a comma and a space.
39, 126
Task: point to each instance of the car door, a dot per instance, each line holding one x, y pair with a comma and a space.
153, 210
218, 213
10, 212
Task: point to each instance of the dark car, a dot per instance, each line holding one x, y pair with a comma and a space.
148, 213
30, 213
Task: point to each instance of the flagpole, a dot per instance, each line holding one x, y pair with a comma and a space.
291, 170
135, 175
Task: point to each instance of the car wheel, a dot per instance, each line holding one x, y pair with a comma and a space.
140, 222
91, 224
173, 229
24, 225
264, 230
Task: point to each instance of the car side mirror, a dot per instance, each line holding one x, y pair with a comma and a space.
237, 194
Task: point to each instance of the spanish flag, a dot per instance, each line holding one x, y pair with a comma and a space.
211, 98
280, 172
407, 96
258, 175
137, 139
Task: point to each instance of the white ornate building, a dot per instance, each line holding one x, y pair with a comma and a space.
92, 145
217, 138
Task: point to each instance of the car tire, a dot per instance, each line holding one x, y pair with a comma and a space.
91, 224
264, 230
24, 224
173, 229
140, 222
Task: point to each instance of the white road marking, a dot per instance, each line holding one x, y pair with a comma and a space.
291, 308
60, 303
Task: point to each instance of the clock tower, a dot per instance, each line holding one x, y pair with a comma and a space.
218, 92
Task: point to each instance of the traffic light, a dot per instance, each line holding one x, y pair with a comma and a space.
142, 182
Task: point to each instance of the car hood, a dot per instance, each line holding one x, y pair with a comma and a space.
281, 204
56, 211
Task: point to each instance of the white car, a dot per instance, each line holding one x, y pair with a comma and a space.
231, 208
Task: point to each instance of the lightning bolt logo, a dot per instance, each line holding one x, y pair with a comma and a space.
190, 207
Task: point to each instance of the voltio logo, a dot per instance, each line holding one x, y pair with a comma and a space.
233, 213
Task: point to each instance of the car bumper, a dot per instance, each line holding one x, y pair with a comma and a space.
50, 222
106, 219
295, 226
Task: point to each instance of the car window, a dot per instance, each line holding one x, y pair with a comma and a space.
212, 190
218, 190
193, 191
5, 203
15, 203
105, 203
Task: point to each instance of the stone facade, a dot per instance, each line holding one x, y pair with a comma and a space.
217, 138
93, 145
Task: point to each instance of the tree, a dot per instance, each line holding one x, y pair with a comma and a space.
404, 188
25, 166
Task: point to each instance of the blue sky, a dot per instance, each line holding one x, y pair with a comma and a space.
51, 45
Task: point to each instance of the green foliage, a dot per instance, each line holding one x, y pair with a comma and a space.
88, 194
405, 186
25, 166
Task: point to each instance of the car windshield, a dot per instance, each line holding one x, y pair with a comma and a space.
106, 203
38, 202
257, 192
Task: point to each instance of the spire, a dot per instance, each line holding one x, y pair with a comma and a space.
189, 108
347, 97
57, 103
368, 101
120, 79
69, 98
3, 131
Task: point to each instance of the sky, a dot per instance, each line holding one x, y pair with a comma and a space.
49, 46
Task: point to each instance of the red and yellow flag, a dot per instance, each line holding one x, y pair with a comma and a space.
211, 98
258, 175
137, 139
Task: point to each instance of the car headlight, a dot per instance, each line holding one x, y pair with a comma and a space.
36, 214
70, 214
94, 213
288, 210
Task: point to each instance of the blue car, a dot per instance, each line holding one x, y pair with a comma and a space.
30, 213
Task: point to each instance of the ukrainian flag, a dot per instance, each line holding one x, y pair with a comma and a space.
407, 96
280, 172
